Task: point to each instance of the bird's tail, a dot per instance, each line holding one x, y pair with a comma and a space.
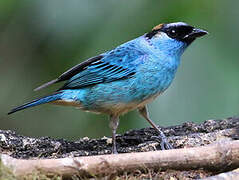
43, 100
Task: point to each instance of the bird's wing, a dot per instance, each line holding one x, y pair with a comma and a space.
119, 63
114, 65
71, 72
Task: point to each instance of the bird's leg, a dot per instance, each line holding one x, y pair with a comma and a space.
164, 142
114, 122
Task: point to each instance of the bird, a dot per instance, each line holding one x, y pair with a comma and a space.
125, 78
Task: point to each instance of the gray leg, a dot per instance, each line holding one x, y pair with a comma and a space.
114, 122
164, 142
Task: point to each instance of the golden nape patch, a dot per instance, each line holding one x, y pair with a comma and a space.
158, 27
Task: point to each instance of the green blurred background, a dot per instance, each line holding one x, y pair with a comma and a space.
41, 39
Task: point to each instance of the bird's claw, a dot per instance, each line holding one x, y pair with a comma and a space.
164, 144
114, 151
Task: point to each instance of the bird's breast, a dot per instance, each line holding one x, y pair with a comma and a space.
154, 78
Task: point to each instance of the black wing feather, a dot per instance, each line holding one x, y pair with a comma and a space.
78, 68
71, 72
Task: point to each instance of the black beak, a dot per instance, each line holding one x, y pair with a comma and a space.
195, 34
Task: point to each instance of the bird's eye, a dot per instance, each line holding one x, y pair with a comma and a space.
172, 33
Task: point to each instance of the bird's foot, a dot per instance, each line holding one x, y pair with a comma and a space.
164, 144
114, 150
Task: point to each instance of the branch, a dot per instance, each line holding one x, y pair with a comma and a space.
25, 155
225, 176
211, 157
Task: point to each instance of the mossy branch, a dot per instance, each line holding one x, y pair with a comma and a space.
211, 157
212, 146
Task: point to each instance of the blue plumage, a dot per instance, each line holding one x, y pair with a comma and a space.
53, 97
125, 78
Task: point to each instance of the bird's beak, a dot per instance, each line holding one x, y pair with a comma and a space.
195, 34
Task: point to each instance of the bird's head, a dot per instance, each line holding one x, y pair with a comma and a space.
173, 37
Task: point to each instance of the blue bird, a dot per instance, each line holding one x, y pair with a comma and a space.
125, 78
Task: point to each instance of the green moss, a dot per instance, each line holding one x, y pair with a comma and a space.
6, 173
39, 175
